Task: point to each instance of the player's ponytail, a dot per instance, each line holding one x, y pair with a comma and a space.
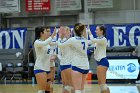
79, 28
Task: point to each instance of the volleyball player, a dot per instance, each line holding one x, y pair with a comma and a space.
65, 62
78, 49
100, 57
42, 63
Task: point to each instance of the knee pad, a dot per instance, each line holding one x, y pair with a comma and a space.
68, 88
103, 87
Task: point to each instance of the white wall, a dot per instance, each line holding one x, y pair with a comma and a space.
117, 17
123, 11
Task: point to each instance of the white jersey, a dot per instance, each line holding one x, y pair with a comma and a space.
52, 48
51, 51
42, 57
65, 53
100, 47
78, 49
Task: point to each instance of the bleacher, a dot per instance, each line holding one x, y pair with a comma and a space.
11, 56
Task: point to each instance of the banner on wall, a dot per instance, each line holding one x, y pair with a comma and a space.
123, 69
37, 5
12, 38
117, 35
123, 35
9, 6
62, 5
93, 4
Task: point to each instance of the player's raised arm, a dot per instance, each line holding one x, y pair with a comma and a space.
40, 34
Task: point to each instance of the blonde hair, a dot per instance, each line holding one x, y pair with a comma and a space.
66, 28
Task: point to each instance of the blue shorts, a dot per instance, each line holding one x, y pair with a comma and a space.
103, 62
63, 67
83, 71
40, 71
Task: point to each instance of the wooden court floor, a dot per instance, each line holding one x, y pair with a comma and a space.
89, 88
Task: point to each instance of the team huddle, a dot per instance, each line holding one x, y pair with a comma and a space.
72, 53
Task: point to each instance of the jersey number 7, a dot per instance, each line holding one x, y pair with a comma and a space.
83, 43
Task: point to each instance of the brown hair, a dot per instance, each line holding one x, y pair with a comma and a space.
47, 27
38, 31
102, 28
79, 28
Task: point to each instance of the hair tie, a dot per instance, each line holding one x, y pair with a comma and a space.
77, 27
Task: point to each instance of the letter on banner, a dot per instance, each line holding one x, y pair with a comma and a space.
7, 37
132, 35
118, 37
19, 38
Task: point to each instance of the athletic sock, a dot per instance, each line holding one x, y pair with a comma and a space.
78, 91
41, 91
